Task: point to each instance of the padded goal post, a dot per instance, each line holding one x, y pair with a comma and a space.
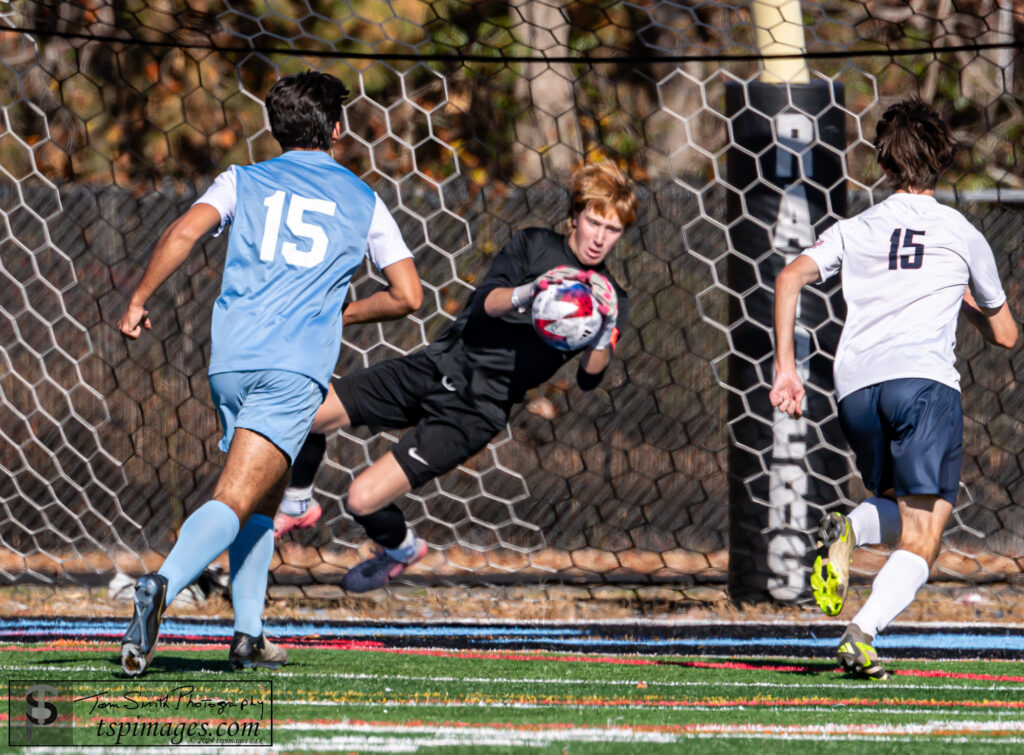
788, 139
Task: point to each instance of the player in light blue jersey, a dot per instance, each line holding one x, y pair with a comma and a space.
301, 225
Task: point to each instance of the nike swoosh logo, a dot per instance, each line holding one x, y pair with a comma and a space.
415, 455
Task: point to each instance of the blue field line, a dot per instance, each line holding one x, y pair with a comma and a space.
566, 637
882, 642
13, 628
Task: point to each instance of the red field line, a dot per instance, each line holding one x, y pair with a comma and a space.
734, 665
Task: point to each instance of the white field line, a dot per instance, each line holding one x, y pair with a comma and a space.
850, 685
612, 733
899, 687
369, 737
373, 737
381, 744
402, 744
847, 710
634, 682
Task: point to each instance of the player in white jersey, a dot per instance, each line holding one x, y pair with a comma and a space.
908, 266
301, 225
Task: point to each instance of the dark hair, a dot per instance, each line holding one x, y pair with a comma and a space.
914, 144
303, 109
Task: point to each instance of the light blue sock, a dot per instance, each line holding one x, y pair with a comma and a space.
250, 556
205, 535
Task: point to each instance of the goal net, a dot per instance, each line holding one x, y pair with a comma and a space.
467, 119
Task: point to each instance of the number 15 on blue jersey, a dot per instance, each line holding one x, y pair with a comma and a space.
298, 206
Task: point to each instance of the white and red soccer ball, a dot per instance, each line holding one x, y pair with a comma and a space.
566, 316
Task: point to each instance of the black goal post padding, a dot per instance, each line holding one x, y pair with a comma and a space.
785, 161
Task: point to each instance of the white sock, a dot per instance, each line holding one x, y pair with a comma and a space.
296, 500
894, 588
406, 550
876, 520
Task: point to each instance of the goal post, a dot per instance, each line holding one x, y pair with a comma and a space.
788, 135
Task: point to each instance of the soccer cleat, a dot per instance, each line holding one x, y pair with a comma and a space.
139, 641
377, 571
248, 651
285, 522
830, 576
857, 656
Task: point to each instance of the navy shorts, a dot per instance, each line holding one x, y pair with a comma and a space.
907, 435
410, 392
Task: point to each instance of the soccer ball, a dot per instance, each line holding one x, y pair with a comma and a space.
565, 315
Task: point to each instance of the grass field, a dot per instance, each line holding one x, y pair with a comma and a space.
371, 691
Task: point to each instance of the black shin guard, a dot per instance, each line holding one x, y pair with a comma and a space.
307, 460
385, 527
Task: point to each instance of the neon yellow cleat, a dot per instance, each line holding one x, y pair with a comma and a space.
830, 576
857, 656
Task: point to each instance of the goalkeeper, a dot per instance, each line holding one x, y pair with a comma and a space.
301, 225
906, 264
457, 393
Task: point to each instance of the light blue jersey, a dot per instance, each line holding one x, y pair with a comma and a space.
298, 234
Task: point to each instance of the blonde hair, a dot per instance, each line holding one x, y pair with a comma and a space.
602, 187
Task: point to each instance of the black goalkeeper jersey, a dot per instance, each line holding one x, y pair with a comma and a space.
497, 359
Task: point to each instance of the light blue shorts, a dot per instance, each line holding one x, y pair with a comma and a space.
277, 404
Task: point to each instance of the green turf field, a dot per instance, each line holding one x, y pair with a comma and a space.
416, 700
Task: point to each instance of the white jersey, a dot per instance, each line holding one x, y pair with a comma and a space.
384, 244
905, 263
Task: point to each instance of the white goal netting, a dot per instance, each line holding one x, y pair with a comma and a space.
467, 118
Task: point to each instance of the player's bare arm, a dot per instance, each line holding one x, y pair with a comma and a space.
170, 252
788, 391
997, 326
595, 361
499, 302
403, 295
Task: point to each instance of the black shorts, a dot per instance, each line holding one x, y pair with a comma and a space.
907, 435
410, 392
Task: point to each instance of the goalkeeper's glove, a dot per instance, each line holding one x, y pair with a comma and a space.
608, 305
523, 295
558, 275
603, 292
